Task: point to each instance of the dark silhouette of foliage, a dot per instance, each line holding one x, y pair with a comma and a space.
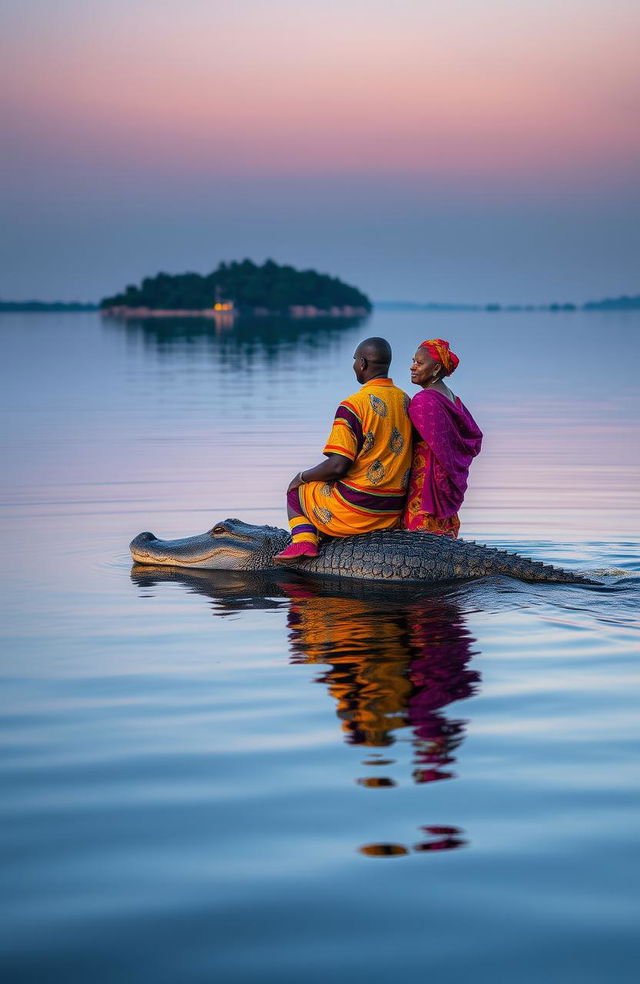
270, 286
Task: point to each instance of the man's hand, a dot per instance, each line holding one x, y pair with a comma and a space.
330, 470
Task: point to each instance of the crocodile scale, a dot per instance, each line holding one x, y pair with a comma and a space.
404, 556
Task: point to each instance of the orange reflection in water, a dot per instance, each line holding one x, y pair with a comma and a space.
392, 664
440, 839
393, 661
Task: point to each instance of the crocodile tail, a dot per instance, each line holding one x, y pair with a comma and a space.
513, 565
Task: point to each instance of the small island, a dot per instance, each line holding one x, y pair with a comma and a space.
240, 288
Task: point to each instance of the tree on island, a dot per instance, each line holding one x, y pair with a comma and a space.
270, 287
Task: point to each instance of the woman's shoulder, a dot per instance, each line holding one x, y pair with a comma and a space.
436, 398
428, 397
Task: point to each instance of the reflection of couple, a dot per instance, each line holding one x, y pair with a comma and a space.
392, 661
374, 476
391, 664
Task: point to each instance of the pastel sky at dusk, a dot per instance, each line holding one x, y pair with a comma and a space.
427, 151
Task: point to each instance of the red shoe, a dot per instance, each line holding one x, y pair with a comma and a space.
296, 551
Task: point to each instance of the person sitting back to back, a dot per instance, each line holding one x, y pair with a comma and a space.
446, 440
362, 484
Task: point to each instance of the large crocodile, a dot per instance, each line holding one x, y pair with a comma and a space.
386, 555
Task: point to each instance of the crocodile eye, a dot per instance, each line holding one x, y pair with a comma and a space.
218, 529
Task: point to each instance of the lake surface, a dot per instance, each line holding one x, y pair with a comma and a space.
217, 778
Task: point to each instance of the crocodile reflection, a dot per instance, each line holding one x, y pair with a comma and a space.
392, 660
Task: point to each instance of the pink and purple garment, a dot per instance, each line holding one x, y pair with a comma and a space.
447, 439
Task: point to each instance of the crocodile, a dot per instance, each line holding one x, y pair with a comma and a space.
384, 556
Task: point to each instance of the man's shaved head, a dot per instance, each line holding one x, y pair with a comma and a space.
372, 359
375, 350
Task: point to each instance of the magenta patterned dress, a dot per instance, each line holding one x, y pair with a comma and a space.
446, 439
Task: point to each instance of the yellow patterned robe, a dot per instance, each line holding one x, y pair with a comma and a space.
372, 429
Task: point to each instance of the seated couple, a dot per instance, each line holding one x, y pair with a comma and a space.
389, 461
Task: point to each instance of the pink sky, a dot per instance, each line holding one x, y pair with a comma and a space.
279, 87
475, 95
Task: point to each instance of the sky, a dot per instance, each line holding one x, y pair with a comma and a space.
467, 151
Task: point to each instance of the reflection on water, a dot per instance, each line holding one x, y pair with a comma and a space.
393, 662
179, 803
392, 665
439, 838
262, 340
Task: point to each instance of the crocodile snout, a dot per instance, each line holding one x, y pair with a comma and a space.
141, 538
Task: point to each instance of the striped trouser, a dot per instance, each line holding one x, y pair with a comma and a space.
302, 531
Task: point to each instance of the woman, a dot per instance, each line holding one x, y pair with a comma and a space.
446, 439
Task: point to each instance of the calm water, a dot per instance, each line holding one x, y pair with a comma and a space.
218, 778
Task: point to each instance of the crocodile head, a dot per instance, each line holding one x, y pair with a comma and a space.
229, 545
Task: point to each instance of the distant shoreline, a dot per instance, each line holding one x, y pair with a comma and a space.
36, 306
294, 311
625, 303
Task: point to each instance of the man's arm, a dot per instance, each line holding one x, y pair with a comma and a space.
329, 470
341, 439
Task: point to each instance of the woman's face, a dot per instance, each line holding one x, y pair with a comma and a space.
423, 368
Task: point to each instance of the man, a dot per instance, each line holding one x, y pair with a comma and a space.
362, 484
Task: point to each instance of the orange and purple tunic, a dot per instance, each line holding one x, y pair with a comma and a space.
372, 429
446, 439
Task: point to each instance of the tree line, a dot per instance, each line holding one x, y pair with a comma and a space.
271, 286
